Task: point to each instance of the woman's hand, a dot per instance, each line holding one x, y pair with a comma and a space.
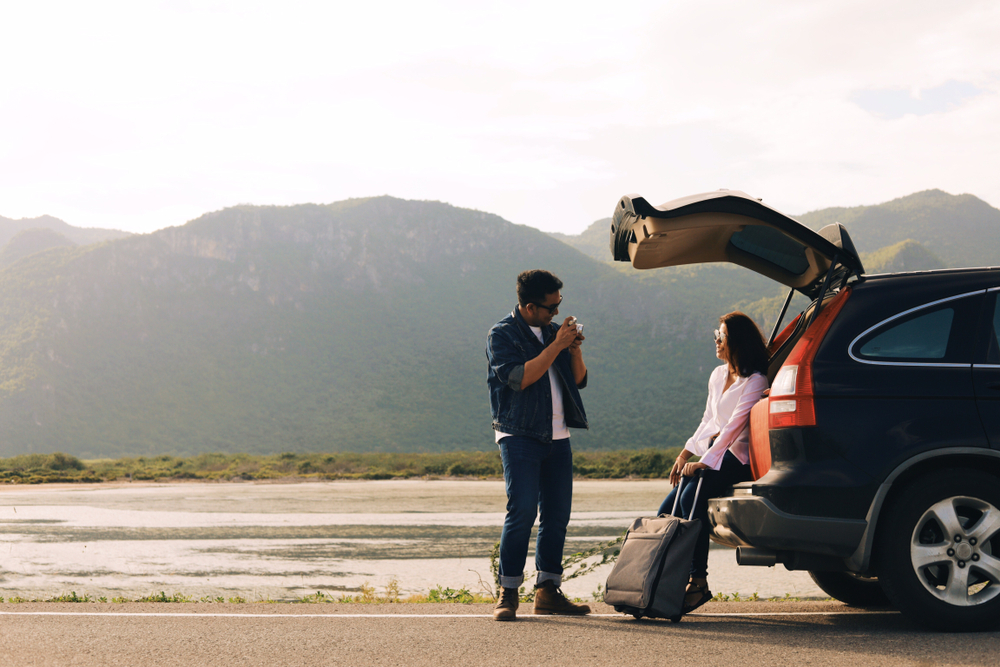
675, 472
691, 468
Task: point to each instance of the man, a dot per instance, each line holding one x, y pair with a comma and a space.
536, 370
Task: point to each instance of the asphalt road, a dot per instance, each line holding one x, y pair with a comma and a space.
727, 633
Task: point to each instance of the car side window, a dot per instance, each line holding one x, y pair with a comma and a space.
938, 334
923, 337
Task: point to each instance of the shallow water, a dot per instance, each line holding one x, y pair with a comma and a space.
283, 541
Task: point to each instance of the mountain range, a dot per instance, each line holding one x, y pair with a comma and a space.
360, 325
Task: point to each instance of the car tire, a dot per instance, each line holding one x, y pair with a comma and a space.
938, 551
851, 589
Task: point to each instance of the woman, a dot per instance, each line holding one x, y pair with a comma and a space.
722, 440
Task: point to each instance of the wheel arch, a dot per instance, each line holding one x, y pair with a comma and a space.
978, 458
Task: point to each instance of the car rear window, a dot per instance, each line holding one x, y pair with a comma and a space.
772, 246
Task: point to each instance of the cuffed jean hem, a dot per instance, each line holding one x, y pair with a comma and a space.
548, 576
540, 578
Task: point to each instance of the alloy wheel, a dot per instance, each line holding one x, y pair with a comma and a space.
952, 551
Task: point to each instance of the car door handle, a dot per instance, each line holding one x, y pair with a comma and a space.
993, 385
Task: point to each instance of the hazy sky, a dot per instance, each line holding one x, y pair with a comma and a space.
140, 115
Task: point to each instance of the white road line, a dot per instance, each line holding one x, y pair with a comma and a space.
540, 617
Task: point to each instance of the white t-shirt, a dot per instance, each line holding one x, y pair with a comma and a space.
728, 414
559, 430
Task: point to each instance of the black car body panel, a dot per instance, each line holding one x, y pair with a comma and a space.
880, 412
986, 367
756, 522
811, 477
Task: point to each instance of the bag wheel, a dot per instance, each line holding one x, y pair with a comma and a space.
675, 619
637, 616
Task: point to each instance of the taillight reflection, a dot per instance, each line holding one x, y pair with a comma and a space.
760, 440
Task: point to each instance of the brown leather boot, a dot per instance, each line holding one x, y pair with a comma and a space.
550, 600
506, 609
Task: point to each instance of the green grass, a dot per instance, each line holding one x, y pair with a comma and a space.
367, 595
59, 467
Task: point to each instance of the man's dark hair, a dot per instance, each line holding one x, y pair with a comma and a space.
746, 351
532, 286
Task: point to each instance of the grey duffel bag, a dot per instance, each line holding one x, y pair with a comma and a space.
654, 565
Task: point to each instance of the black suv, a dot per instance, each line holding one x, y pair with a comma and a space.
877, 453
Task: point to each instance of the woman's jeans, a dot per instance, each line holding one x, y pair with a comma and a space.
539, 478
714, 483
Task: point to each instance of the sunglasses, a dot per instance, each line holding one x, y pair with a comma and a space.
719, 336
553, 308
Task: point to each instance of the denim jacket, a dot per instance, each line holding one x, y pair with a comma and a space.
528, 411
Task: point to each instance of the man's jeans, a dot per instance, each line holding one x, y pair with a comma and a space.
539, 477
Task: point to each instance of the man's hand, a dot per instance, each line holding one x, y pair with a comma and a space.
566, 335
576, 354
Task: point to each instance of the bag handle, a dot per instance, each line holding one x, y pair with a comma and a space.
677, 496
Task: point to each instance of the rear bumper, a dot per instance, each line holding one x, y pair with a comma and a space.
751, 521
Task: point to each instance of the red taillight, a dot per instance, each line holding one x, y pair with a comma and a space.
760, 440
791, 402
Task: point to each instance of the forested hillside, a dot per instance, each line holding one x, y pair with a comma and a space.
960, 230
354, 326
593, 241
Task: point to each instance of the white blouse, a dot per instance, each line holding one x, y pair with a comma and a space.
728, 414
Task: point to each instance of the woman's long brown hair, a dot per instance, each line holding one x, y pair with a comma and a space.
746, 350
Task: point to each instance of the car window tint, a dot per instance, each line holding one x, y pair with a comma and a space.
993, 351
922, 337
771, 245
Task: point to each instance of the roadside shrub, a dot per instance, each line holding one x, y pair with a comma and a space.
60, 461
